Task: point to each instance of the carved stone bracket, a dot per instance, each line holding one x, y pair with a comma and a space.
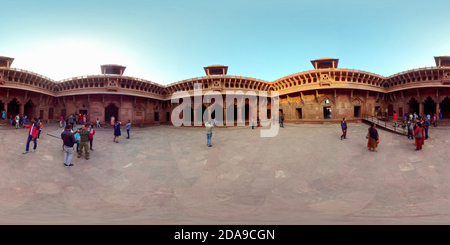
303, 99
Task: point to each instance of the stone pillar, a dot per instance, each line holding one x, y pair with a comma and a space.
21, 109
224, 115
421, 109
209, 113
239, 114
196, 115
437, 110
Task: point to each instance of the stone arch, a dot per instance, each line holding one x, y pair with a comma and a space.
29, 109
111, 110
413, 105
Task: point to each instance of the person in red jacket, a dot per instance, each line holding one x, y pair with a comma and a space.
395, 118
91, 135
419, 138
32, 135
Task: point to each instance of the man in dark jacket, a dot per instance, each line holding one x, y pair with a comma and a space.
344, 129
282, 121
426, 124
68, 140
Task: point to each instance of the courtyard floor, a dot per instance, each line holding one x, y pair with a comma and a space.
167, 175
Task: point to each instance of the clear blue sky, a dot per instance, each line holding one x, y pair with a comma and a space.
168, 41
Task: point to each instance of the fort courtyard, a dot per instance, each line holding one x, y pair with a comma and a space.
167, 175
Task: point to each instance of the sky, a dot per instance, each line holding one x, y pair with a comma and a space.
169, 41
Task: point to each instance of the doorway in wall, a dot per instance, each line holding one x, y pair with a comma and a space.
357, 111
299, 113
327, 112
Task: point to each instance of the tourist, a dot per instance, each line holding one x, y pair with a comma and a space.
282, 121
41, 125
32, 135
373, 139
415, 115
410, 126
84, 139
113, 121
71, 119
91, 136
418, 135
440, 114
3, 115
344, 129
128, 125
395, 118
117, 132
61, 122
68, 142
252, 123
17, 121
258, 122
77, 118
405, 116
428, 116
386, 113
426, 125
77, 138
84, 118
435, 120
209, 128
98, 123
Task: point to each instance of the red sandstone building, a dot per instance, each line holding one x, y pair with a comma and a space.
325, 93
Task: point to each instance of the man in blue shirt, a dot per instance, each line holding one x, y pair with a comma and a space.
344, 129
128, 125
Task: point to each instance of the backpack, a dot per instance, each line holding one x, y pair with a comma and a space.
419, 134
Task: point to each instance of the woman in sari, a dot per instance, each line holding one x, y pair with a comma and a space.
419, 141
374, 138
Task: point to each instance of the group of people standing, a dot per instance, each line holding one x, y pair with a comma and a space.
417, 130
81, 137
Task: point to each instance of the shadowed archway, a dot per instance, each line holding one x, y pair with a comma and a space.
413, 106
111, 110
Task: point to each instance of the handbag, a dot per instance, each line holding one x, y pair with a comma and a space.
418, 135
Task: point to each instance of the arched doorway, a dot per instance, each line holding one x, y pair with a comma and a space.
200, 115
13, 108
110, 111
189, 117
413, 106
445, 108
28, 109
429, 107
217, 112
2, 108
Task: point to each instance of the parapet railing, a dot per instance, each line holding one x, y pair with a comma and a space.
378, 120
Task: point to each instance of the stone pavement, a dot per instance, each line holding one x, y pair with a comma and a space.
167, 175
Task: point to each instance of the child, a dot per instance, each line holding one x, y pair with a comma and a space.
77, 138
98, 123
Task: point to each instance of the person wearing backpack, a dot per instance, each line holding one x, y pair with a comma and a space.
418, 135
